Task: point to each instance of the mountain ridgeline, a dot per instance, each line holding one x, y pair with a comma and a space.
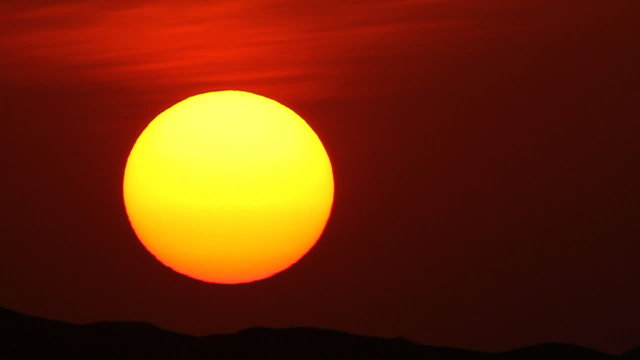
27, 337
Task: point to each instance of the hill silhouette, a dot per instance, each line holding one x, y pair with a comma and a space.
28, 337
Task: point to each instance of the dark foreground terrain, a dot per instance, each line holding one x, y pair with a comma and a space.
27, 337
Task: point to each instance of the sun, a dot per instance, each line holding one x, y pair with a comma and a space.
228, 187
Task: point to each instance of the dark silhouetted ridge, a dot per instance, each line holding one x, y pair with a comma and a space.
28, 337
633, 354
555, 351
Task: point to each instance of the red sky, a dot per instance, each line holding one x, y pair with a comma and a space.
486, 159
293, 48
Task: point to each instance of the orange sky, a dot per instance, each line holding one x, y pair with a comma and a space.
485, 156
299, 49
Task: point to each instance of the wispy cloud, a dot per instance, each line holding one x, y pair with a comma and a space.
284, 46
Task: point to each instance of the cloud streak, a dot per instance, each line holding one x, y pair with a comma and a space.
276, 46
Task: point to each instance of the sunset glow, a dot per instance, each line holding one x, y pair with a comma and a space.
457, 173
228, 187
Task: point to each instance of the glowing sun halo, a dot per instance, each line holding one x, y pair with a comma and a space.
228, 187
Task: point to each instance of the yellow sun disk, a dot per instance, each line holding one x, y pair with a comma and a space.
228, 187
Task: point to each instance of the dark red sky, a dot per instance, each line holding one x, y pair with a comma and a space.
486, 156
